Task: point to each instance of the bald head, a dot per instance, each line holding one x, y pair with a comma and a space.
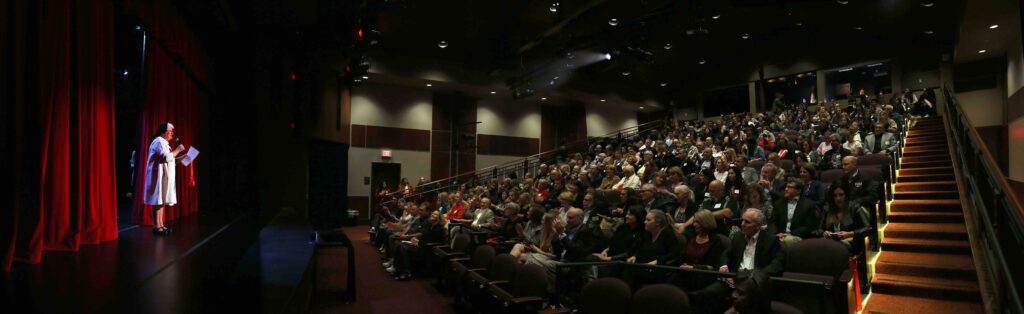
849, 164
573, 217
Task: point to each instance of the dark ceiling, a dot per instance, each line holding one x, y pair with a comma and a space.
525, 39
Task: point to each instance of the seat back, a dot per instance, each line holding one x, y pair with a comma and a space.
831, 175
605, 295
783, 308
873, 159
483, 256
530, 281
819, 257
503, 267
460, 243
756, 164
788, 165
659, 299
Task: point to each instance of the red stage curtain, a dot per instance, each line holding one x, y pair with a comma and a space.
73, 71
171, 96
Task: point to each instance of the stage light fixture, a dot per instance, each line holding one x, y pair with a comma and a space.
554, 7
613, 22
927, 4
607, 56
929, 32
626, 73
602, 100
668, 46
493, 92
702, 61
716, 16
994, 26
843, 1
641, 107
746, 35
366, 77
442, 44
124, 73
663, 84
430, 85
982, 51
543, 98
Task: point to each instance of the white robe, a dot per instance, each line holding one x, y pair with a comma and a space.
160, 174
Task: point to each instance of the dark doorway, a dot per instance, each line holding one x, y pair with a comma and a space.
328, 184
383, 171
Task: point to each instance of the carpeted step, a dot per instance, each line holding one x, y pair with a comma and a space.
907, 178
926, 195
924, 164
881, 303
936, 231
946, 205
926, 186
929, 287
926, 246
918, 148
925, 158
923, 153
926, 216
922, 134
926, 170
953, 266
926, 140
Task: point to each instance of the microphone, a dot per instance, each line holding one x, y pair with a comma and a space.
177, 141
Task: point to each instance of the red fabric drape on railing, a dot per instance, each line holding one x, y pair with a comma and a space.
171, 96
74, 88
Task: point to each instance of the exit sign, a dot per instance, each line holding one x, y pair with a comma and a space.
385, 153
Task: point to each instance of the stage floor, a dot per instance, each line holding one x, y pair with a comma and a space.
139, 272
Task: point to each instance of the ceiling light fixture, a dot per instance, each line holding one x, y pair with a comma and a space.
543, 98
746, 35
716, 16
858, 28
607, 56
663, 84
668, 46
602, 100
982, 51
554, 7
702, 61
366, 77
626, 73
493, 92
994, 26
641, 107
929, 32
927, 4
799, 24
613, 22
843, 1
442, 44
429, 85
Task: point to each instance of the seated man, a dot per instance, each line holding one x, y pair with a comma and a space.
863, 191
880, 142
721, 204
796, 217
751, 249
832, 159
415, 249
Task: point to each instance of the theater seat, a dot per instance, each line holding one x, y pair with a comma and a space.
443, 253
756, 164
831, 175
659, 299
457, 267
605, 295
503, 268
819, 260
783, 308
524, 294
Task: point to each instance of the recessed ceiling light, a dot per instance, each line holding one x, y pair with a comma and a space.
543, 98
982, 51
746, 35
442, 44
641, 107
626, 73
663, 84
602, 100
493, 92
843, 1
668, 46
429, 85
702, 61
994, 26
366, 77
929, 32
613, 22
716, 16
554, 7
858, 28
927, 4
799, 24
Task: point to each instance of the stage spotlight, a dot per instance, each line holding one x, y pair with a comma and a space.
442, 44
607, 56
702, 61
663, 84
613, 22
746, 35
668, 46
554, 7
124, 73
626, 73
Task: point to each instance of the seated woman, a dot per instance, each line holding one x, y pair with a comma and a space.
540, 252
813, 189
658, 247
843, 220
411, 251
626, 238
703, 251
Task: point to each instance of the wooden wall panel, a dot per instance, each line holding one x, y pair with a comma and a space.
995, 138
395, 138
1015, 106
358, 135
506, 145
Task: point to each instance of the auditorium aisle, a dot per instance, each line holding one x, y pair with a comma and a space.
376, 291
925, 265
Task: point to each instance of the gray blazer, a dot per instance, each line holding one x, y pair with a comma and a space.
888, 142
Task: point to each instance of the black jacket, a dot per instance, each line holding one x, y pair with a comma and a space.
768, 255
805, 217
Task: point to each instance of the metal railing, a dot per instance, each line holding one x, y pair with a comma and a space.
525, 165
998, 210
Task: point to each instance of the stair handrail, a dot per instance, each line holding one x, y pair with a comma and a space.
524, 164
993, 201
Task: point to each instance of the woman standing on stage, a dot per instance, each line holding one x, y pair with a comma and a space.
160, 175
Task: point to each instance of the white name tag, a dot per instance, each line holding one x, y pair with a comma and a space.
718, 205
737, 191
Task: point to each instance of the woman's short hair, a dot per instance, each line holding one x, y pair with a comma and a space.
162, 128
661, 219
566, 196
706, 220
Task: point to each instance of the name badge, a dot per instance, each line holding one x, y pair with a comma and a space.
707, 194
719, 205
737, 191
